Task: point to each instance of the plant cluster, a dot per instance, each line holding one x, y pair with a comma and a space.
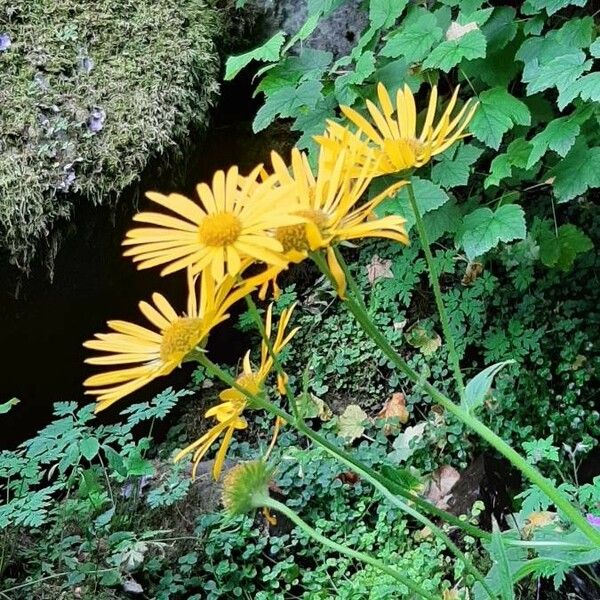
86, 102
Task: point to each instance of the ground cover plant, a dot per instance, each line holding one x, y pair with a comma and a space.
443, 304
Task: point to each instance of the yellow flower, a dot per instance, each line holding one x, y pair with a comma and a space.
156, 352
229, 413
330, 205
231, 223
395, 136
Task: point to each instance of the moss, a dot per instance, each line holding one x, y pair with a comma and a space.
91, 91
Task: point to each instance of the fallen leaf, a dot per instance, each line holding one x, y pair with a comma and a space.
456, 31
131, 586
379, 269
400, 325
440, 485
403, 445
473, 271
450, 595
351, 422
312, 407
394, 408
423, 534
427, 343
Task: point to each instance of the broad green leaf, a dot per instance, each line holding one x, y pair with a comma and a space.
516, 155
428, 195
595, 48
445, 219
477, 389
560, 247
345, 92
552, 6
383, 13
576, 32
89, 447
287, 102
454, 168
483, 229
6, 406
400, 478
586, 87
559, 136
415, 39
577, 172
500, 29
450, 53
268, 52
498, 112
305, 31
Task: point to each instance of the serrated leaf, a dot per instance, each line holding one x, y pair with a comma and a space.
445, 219
454, 169
352, 422
552, 6
498, 112
577, 172
6, 406
89, 447
404, 444
383, 13
415, 39
595, 48
483, 229
450, 53
287, 102
559, 136
501, 28
559, 248
586, 87
516, 155
476, 390
268, 52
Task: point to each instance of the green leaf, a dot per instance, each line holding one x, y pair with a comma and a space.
577, 172
559, 136
268, 52
575, 32
415, 39
287, 102
498, 112
500, 558
137, 466
478, 388
400, 478
454, 168
516, 155
500, 29
429, 196
559, 248
552, 6
450, 53
89, 447
383, 13
483, 229
595, 48
586, 87
404, 445
6, 406
445, 219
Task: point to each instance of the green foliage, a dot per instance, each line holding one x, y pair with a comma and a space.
142, 71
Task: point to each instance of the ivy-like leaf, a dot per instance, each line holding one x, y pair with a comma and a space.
498, 112
268, 52
454, 168
516, 155
287, 102
577, 172
559, 248
552, 6
483, 229
450, 53
383, 13
559, 135
415, 38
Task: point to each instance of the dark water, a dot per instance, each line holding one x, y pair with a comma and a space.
41, 332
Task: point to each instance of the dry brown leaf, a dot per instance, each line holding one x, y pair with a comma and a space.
394, 408
379, 269
441, 483
456, 30
472, 272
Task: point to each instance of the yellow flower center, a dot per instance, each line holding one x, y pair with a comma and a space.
293, 237
180, 339
221, 229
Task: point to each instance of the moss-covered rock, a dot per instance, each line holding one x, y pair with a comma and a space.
90, 91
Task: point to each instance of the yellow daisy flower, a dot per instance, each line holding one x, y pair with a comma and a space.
395, 136
330, 206
156, 352
229, 413
232, 222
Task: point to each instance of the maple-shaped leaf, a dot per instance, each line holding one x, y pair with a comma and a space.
394, 408
426, 342
379, 268
351, 424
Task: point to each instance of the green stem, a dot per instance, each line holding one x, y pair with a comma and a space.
546, 486
366, 473
341, 549
437, 292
